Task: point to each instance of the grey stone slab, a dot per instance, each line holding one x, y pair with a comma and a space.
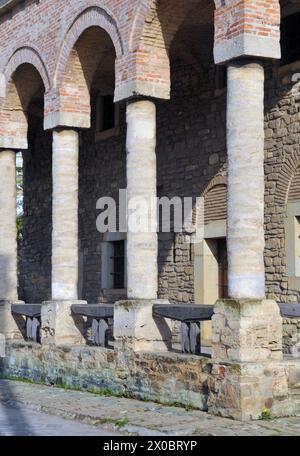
184, 312
290, 310
94, 310
27, 310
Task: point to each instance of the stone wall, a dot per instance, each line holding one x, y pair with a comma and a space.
240, 391
102, 173
166, 378
35, 247
191, 152
282, 153
291, 337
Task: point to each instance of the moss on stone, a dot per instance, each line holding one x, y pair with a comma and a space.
235, 369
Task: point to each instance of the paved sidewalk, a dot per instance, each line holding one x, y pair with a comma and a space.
16, 422
43, 410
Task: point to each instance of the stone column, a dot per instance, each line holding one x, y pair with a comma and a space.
58, 325
247, 328
134, 326
142, 247
245, 146
8, 244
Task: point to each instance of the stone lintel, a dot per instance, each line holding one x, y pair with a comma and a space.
60, 119
13, 142
132, 89
246, 45
136, 329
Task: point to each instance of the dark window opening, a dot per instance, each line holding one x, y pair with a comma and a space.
118, 265
106, 113
290, 38
223, 269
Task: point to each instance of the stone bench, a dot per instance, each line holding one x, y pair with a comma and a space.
32, 313
99, 314
190, 316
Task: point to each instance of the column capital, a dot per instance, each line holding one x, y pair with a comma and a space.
58, 115
14, 138
245, 29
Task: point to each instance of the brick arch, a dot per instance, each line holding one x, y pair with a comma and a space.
215, 199
91, 17
217, 180
294, 190
31, 56
25, 77
288, 171
148, 26
145, 69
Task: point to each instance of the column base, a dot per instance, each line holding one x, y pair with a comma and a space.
248, 391
247, 370
246, 330
11, 327
136, 329
59, 326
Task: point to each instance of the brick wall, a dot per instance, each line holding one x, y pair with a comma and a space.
44, 34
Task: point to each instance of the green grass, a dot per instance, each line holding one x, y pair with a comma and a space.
119, 423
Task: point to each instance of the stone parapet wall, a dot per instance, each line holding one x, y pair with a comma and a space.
166, 378
236, 390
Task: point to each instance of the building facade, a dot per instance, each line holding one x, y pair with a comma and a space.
162, 98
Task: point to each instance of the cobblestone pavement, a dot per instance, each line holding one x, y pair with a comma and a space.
16, 422
27, 409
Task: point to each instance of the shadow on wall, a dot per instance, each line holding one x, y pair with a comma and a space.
34, 249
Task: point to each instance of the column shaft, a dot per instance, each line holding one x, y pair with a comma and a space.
245, 144
8, 227
134, 325
65, 215
142, 247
